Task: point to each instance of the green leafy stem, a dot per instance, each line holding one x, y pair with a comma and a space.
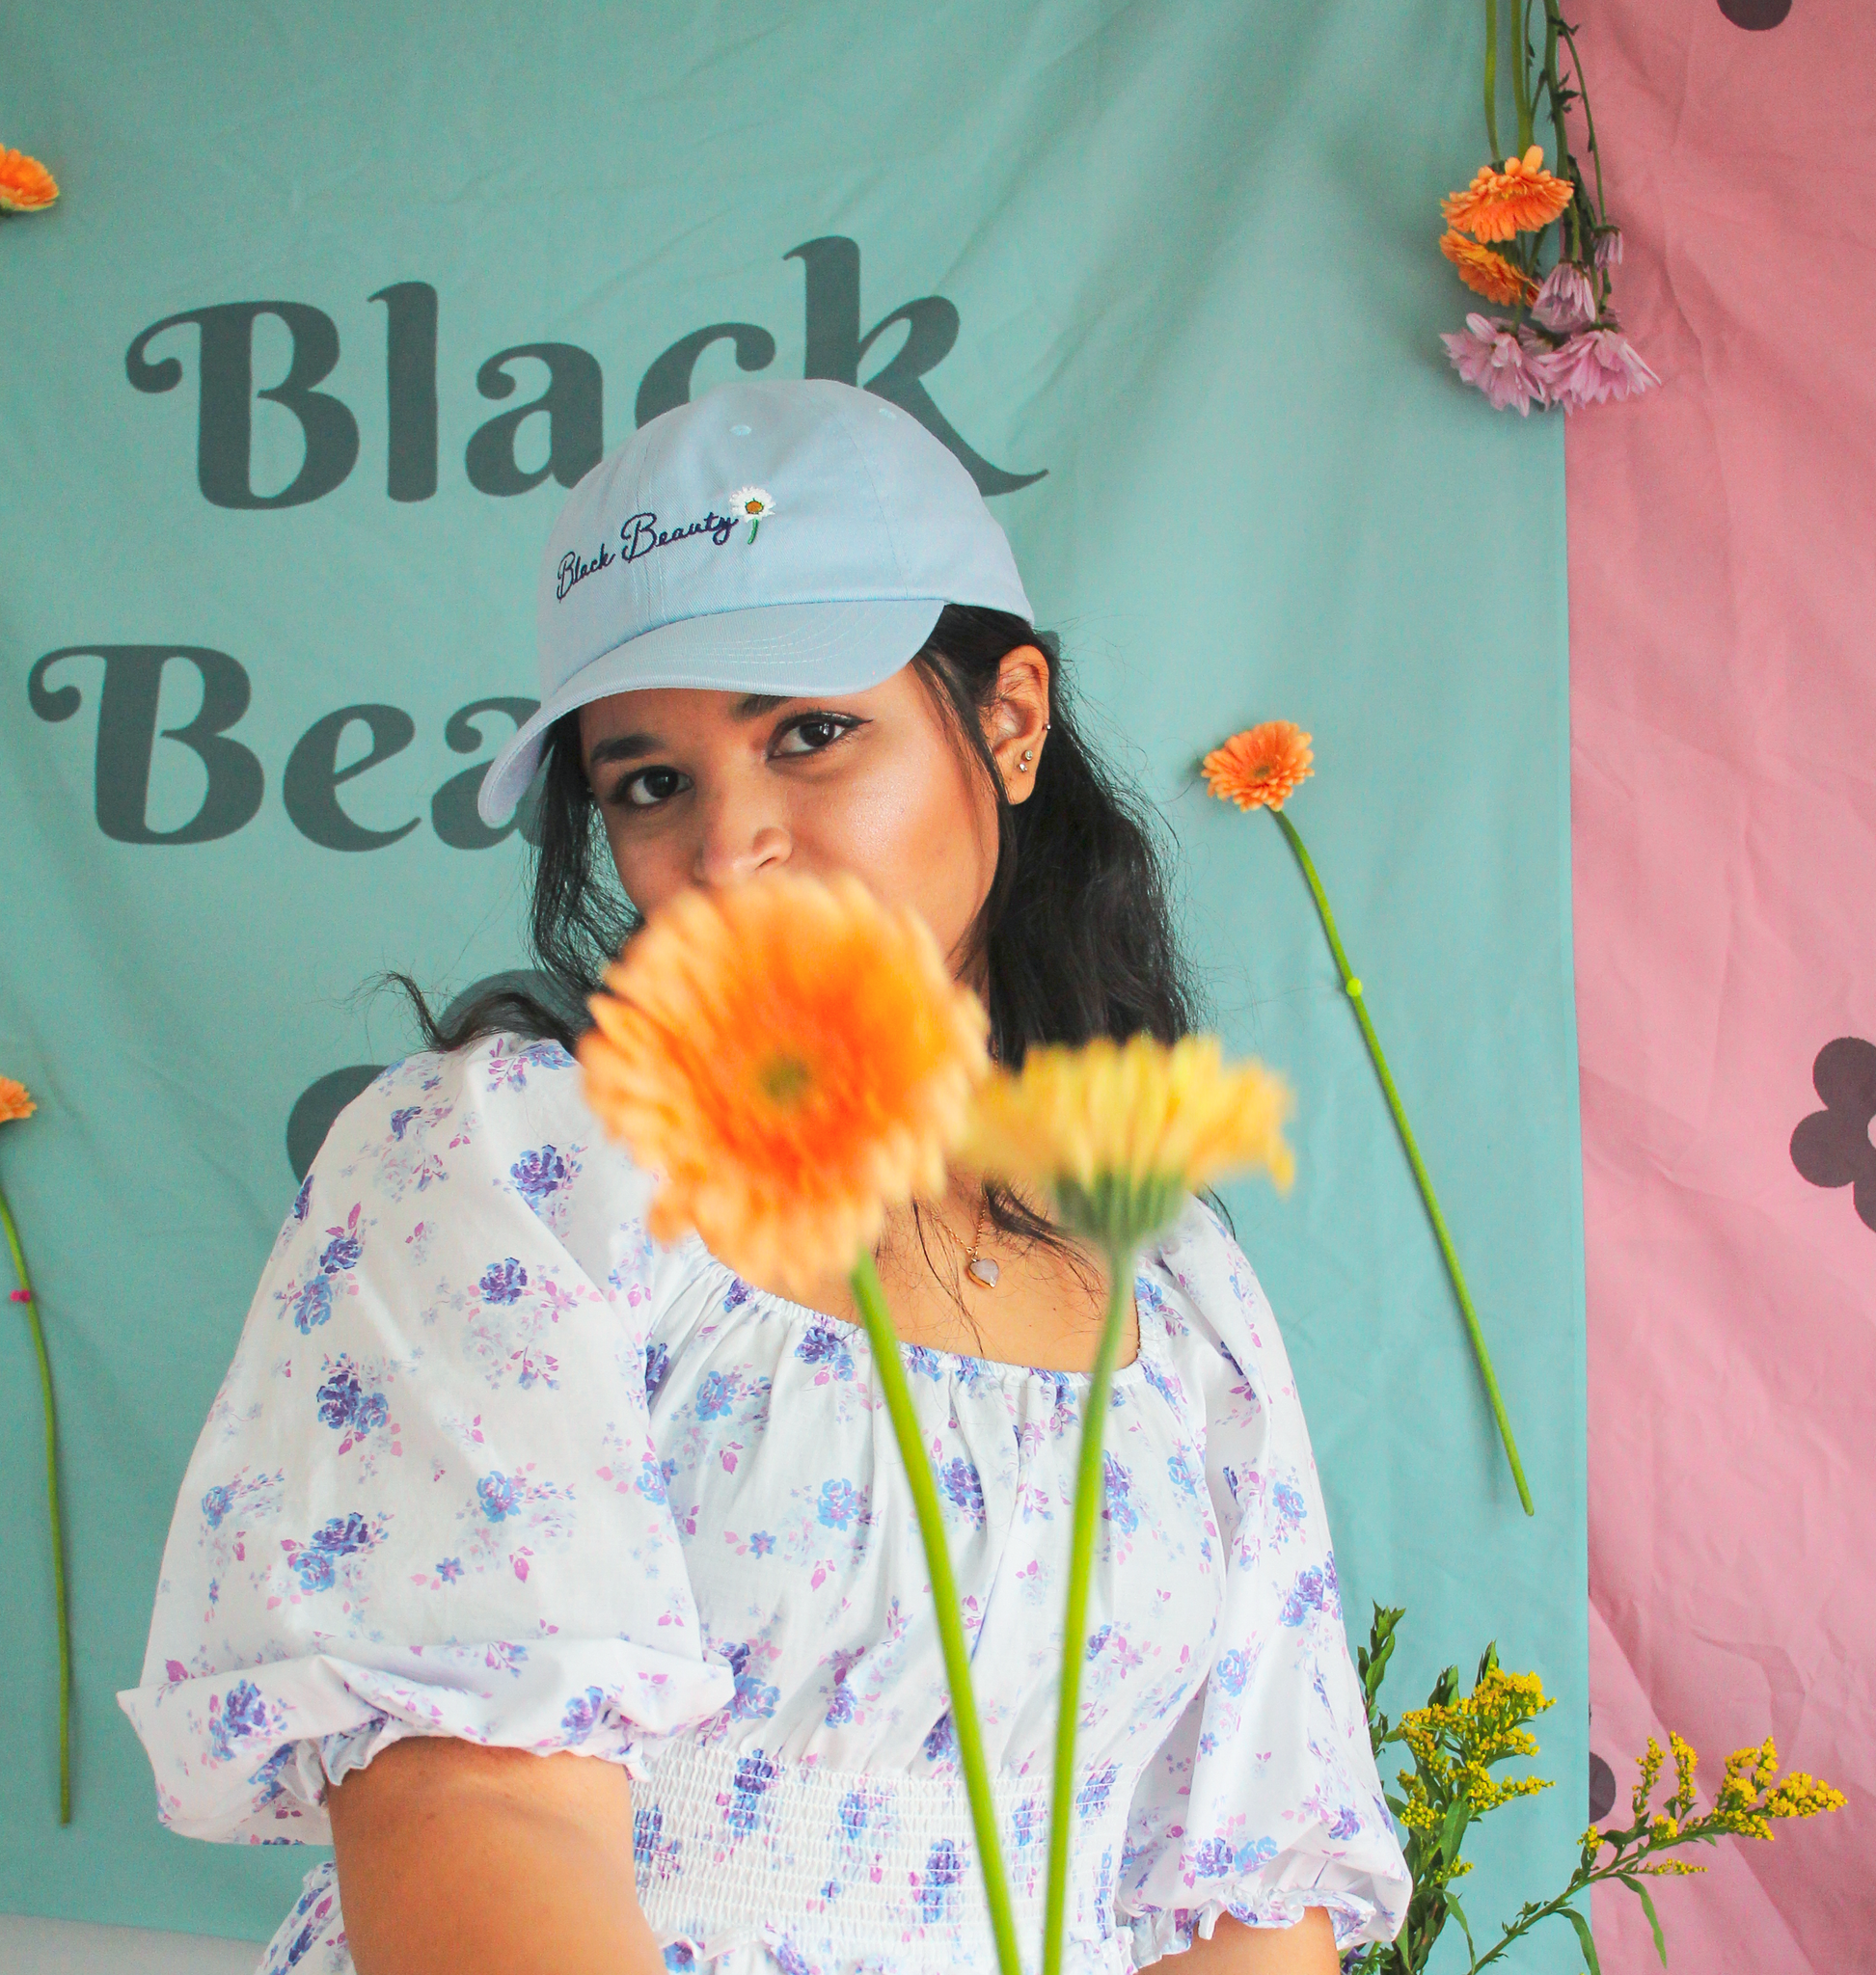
1540, 81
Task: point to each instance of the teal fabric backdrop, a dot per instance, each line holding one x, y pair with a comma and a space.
1174, 260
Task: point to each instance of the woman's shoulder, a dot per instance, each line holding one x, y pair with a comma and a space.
506, 1107
1217, 1319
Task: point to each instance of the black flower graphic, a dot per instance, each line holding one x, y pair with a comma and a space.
1832, 1146
1756, 15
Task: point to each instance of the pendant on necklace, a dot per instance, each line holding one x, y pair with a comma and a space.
984, 1270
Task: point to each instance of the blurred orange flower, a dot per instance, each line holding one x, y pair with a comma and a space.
1518, 200
789, 1058
25, 184
15, 1102
1261, 768
1486, 273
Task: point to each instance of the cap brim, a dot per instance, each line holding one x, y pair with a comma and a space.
794, 650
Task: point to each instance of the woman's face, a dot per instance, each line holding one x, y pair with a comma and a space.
700, 788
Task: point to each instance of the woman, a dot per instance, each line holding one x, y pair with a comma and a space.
571, 1580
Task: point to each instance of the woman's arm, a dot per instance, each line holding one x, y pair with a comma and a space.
452, 1856
1306, 1949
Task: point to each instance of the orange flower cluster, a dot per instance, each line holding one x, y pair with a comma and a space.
25, 184
1521, 199
15, 1101
1486, 273
1261, 768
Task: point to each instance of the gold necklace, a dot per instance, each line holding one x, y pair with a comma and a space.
980, 1268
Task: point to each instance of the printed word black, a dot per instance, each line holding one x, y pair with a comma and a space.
572, 401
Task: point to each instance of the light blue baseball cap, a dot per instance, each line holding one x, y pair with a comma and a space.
798, 538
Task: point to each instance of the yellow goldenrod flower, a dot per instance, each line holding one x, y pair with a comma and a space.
1802, 1795
1119, 1132
1650, 1771
790, 1058
1746, 1805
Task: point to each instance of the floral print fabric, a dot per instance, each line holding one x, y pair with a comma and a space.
490, 1463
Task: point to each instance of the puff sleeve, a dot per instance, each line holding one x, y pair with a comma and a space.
426, 1499
1265, 1800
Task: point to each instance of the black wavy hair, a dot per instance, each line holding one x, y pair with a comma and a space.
1077, 930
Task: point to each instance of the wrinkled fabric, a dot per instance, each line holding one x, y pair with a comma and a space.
491, 1463
1722, 591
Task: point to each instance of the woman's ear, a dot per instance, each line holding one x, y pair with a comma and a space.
1015, 722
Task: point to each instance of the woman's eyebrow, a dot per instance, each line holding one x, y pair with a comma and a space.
636, 746
623, 748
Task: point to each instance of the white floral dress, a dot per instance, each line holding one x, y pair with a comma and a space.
491, 1463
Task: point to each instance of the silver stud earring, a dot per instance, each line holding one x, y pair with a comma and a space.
1027, 758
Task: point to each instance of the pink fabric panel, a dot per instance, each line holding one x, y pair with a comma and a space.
1723, 602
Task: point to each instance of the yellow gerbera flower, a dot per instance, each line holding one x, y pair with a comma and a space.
1119, 1132
791, 1058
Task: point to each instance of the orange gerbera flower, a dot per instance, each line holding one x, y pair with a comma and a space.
1485, 272
1518, 200
790, 1058
1261, 768
25, 184
15, 1102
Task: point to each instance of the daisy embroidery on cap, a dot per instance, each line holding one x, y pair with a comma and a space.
754, 502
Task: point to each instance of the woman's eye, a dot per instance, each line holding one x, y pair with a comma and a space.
650, 787
811, 735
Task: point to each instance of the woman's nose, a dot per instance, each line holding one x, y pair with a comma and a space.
742, 837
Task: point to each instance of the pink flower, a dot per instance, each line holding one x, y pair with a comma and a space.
1502, 363
1609, 249
1594, 365
1565, 301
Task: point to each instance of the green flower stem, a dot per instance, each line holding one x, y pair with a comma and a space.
1075, 1623
1553, 89
53, 1518
1600, 216
1491, 77
1565, 29
1352, 987
885, 1340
